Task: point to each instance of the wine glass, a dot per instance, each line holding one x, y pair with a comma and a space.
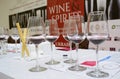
15, 36
6, 35
76, 33
52, 34
64, 33
2, 38
97, 32
36, 34
14, 20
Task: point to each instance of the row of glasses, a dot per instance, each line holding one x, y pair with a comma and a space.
51, 32
4, 35
38, 32
96, 32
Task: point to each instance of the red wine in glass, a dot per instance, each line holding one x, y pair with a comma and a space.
2, 38
37, 40
97, 39
51, 38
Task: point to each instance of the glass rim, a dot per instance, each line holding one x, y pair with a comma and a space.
96, 12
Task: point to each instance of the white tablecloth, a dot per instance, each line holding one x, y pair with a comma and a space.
16, 67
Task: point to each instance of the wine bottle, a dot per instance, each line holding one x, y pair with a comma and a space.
90, 5
113, 10
101, 5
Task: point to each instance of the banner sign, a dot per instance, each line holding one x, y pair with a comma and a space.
62, 10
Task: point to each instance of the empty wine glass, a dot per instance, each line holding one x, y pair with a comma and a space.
6, 34
66, 24
2, 38
97, 32
52, 34
76, 33
15, 36
36, 34
14, 20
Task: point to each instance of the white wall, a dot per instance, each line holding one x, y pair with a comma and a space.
5, 5
8, 7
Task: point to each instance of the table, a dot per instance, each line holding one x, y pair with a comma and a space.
11, 67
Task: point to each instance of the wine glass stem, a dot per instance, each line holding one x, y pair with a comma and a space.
97, 63
51, 51
77, 46
70, 44
37, 56
16, 46
1, 47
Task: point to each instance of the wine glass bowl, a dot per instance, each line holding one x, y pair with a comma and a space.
36, 35
52, 34
97, 39
97, 33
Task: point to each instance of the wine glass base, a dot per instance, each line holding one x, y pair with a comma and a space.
111, 66
70, 61
98, 74
37, 69
52, 62
77, 68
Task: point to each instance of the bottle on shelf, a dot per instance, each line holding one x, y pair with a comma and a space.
114, 9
